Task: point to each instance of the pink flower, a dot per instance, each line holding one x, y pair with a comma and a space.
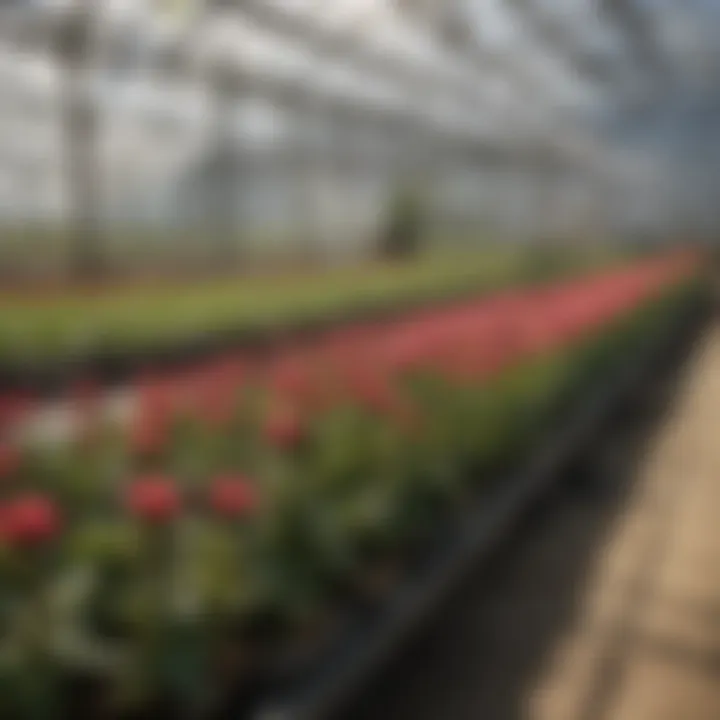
233, 496
283, 427
154, 498
290, 378
149, 436
150, 430
30, 520
216, 402
373, 390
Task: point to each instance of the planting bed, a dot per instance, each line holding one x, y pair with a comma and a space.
326, 686
47, 341
267, 530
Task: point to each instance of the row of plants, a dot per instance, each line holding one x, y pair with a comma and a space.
61, 329
152, 569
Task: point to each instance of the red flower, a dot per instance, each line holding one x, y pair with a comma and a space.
150, 432
30, 520
10, 460
291, 378
373, 390
157, 398
283, 427
215, 401
154, 498
232, 496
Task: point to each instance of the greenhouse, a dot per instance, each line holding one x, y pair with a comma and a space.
288, 124
359, 359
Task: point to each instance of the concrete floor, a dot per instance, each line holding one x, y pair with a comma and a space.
607, 607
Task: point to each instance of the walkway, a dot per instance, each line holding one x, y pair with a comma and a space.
608, 607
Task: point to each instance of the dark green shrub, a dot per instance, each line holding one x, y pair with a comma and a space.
403, 235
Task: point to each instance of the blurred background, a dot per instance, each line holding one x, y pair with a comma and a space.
188, 136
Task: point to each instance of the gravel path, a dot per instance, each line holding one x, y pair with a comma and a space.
608, 606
